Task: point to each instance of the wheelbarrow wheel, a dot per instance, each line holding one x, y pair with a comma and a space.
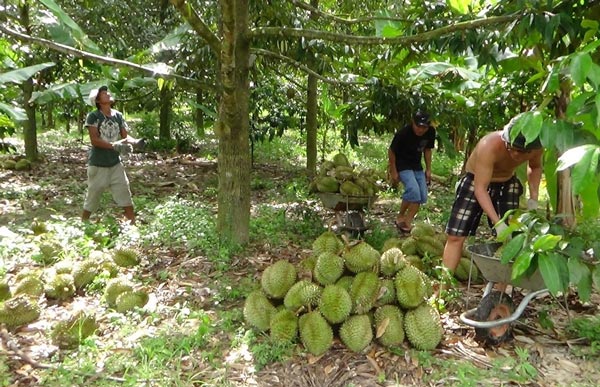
495, 306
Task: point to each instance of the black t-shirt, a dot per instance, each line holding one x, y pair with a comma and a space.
408, 147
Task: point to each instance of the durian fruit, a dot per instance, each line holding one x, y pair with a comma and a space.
278, 278
258, 310
345, 282
392, 260
327, 184
423, 327
130, 300
389, 325
50, 251
411, 289
19, 310
30, 285
69, 333
23, 165
387, 292
335, 304
356, 332
364, 291
328, 268
463, 268
84, 273
315, 333
38, 227
340, 159
327, 242
302, 294
126, 257
284, 326
409, 246
420, 230
9, 164
360, 256
430, 245
307, 264
60, 287
416, 261
5, 292
392, 242
114, 287
63, 267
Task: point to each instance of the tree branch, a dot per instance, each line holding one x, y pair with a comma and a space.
374, 40
302, 67
190, 16
307, 7
98, 58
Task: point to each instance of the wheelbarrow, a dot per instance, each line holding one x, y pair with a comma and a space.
495, 313
353, 208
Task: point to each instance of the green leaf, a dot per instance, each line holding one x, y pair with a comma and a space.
460, 6
512, 248
574, 156
16, 113
584, 171
596, 277
529, 124
581, 65
521, 264
553, 268
578, 270
546, 242
23, 74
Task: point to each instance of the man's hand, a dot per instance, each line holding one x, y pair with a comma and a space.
499, 229
122, 147
532, 204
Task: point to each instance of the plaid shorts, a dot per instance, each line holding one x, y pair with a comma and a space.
466, 211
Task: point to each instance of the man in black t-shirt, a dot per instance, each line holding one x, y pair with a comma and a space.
410, 144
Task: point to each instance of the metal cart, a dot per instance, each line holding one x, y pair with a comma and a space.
493, 317
349, 210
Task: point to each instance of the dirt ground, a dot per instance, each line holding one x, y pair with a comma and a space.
550, 351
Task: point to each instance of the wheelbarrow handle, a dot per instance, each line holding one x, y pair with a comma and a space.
465, 317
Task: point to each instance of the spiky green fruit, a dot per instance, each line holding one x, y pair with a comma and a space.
84, 273
416, 261
5, 292
409, 246
131, 300
30, 285
391, 242
392, 260
315, 333
64, 266
422, 229
23, 165
302, 294
38, 227
126, 257
345, 282
278, 278
69, 333
19, 310
389, 325
356, 332
335, 304
463, 269
423, 327
284, 326
387, 292
60, 287
429, 245
328, 268
50, 251
340, 159
258, 310
360, 256
364, 291
411, 289
327, 242
114, 288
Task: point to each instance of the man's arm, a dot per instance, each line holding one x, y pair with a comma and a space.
392, 166
96, 140
483, 171
427, 155
534, 174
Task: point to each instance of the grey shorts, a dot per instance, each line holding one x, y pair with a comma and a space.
102, 178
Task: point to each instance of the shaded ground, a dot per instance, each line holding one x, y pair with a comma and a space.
61, 179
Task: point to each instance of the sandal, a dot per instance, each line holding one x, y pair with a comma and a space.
402, 227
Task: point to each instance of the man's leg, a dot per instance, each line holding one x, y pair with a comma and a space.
413, 208
453, 251
85, 215
402, 214
129, 214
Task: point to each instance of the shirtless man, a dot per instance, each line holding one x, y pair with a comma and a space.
491, 187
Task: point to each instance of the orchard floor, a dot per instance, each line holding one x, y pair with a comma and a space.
548, 350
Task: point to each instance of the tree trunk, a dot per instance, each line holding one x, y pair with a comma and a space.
164, 132
234, 150
30, 127
311, 113
565, 202
199, 114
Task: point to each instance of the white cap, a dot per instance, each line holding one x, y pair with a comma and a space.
94, 94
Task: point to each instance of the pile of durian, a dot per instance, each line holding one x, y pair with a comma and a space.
339, 176
60, 281
352, 292
19, 164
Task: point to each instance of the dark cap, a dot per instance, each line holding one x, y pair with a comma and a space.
421, 118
